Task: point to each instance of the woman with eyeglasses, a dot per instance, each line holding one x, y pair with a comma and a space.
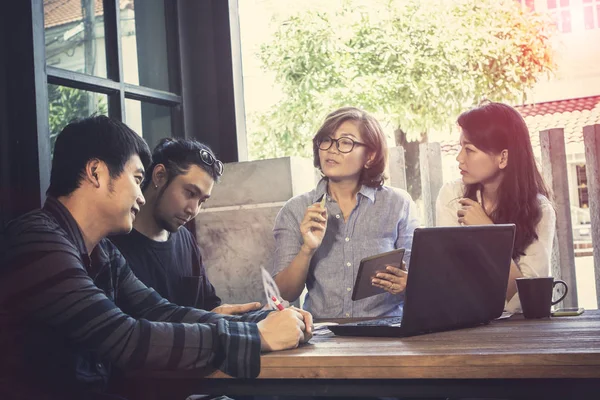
320, 245
501, 184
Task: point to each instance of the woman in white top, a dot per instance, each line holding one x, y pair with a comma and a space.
501, 184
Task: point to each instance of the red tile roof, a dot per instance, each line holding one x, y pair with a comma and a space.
571, 115
60, 12
561, 106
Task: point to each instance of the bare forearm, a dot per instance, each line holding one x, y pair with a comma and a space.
514, 273
292, 279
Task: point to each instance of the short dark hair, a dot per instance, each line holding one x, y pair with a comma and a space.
177, 155
372, 135
100, 137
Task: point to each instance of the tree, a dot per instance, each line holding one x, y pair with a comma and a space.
67, 104
415, 64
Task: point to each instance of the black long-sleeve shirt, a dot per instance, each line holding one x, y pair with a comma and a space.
65, 317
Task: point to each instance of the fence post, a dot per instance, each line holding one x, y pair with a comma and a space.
591, 142
397, 167
430, 161
554, 167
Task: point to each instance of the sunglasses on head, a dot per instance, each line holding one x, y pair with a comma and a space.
210, 160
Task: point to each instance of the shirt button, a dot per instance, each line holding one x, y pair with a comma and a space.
337, 216
348, 289
99, 366
347, 314
347, 239
349, 264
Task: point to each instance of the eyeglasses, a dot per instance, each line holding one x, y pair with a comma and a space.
343, 144
210, 160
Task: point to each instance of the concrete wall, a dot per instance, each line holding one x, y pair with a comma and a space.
235, 229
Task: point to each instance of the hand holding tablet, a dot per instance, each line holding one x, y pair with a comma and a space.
379, 274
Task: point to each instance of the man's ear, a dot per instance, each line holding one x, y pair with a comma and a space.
159, 175
94, 169
503, 159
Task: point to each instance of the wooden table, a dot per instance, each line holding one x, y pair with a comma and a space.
548, 358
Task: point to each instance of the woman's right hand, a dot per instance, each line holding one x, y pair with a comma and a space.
313, 227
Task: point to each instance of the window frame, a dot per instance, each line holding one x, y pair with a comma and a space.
206, 96
594, 7
558, 11
113, 85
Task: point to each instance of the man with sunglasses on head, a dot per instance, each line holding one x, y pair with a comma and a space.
160, 249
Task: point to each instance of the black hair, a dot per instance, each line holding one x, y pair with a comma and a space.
97, 137
177, 155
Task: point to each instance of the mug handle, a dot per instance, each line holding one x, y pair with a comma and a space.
564, 294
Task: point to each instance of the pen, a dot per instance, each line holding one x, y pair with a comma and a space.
277, 303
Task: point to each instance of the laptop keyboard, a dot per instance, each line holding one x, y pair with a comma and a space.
394, 321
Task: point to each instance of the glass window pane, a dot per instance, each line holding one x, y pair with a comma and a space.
66, 104
582, 187
144, 44
74, 32
566, 21
551, 4
588, 17
530, 5
151, 121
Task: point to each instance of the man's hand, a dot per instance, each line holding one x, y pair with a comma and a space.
285, 329
472, 213
236, 309
393, 280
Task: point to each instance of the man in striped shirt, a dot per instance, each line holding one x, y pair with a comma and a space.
70, 307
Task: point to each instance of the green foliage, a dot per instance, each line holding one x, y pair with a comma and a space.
415, 64
68, 104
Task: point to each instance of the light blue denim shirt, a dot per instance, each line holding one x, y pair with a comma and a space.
384, 219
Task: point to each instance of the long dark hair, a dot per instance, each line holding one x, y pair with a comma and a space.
493, 127
372, 135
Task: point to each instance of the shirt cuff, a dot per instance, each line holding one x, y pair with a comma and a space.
239, 345
255, 316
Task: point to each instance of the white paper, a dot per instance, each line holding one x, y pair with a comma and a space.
271, 289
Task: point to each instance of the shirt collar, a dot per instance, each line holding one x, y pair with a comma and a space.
368, 192
67, 222
321, 190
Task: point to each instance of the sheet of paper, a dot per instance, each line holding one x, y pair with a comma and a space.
505, 315
323, 325
271, 289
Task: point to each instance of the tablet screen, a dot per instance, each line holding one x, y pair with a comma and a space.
369, 267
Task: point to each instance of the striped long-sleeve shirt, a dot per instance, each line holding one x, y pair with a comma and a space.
65, 317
